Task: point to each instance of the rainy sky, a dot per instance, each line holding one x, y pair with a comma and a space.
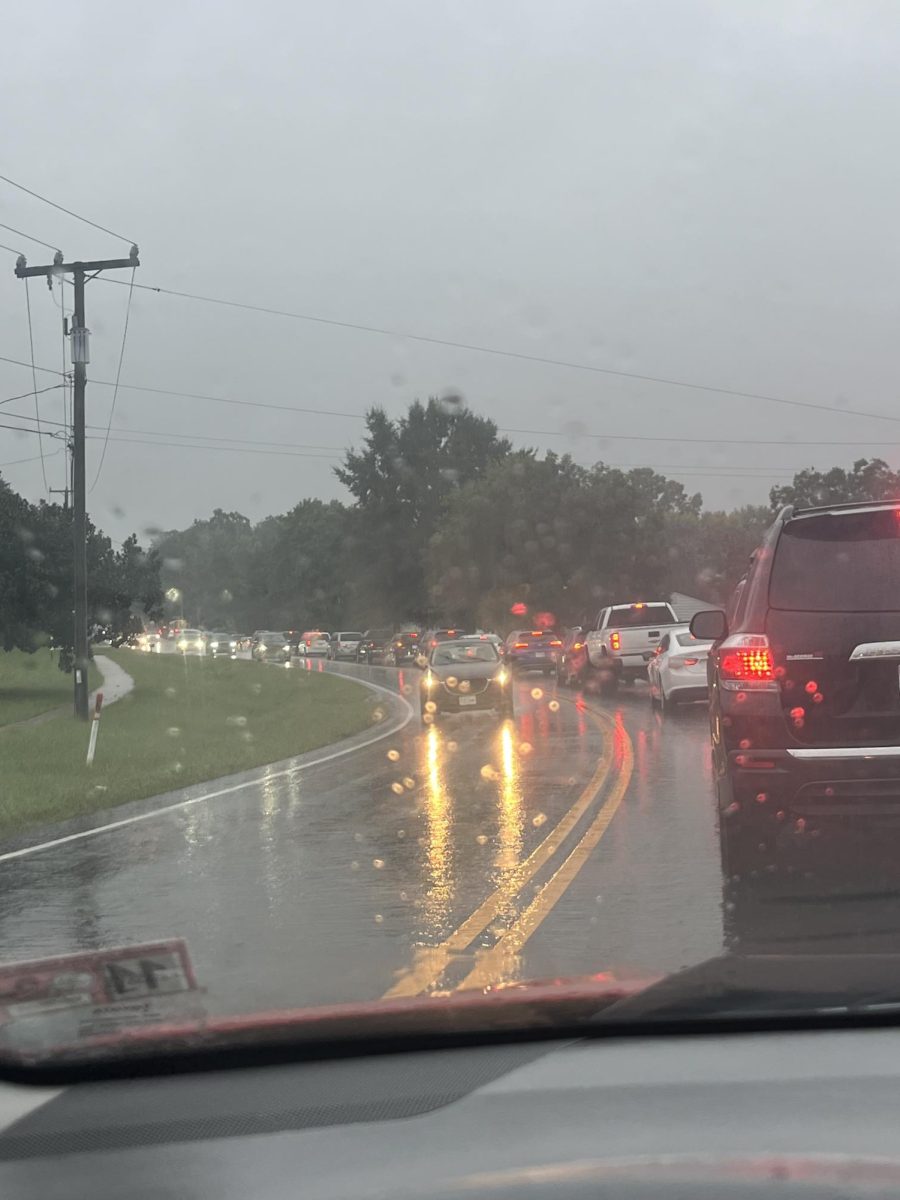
703, 192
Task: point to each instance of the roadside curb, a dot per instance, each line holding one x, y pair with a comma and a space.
150, 807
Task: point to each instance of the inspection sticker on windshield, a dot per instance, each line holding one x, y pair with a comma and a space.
54, 1002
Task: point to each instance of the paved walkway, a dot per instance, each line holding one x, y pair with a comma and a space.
116, 684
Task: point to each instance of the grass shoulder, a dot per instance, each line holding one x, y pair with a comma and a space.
31, 684
186, 721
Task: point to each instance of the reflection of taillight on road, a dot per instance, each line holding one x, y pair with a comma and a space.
615, 642
745, 661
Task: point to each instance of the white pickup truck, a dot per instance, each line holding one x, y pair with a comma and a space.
624, 639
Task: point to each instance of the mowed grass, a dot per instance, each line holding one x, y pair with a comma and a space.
186, 720
31, 684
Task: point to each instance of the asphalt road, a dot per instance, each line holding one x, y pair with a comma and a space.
579, 838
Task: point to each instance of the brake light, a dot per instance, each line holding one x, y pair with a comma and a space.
537, 633
520, 646
640, 604
615, 642
745, 661
578, 645
555, 642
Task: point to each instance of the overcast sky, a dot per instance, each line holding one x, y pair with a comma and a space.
708, 192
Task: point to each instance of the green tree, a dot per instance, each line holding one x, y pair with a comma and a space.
867, 479
401, 481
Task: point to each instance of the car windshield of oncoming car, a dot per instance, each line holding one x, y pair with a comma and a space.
464, 652
840, 562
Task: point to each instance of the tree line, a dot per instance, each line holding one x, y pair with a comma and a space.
36, 568
447, 522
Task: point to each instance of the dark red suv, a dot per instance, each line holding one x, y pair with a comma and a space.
805, 704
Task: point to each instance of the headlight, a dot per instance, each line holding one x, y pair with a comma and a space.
182, 645
213, 645
232, 645
502, 677
261, 648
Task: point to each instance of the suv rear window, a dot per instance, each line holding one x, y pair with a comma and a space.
838, 562
647, 614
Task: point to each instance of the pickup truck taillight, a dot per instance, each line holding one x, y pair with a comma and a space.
745, 663
615, 642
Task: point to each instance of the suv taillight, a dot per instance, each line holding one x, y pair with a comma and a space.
745, 662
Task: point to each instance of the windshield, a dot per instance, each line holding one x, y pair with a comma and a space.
493, 322
464, 652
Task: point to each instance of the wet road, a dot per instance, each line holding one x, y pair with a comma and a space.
579, 837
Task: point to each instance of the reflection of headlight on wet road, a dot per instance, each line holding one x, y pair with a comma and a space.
429, 682
502, 677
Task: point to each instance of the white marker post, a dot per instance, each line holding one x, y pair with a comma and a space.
95, 729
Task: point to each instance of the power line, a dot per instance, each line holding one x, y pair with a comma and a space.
358, 416
733, 393
24, 395
37, 409
10, 249
112, 407
34, 458
67, 211
25, 429
27, 236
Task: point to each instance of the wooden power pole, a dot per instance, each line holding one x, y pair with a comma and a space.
81, 272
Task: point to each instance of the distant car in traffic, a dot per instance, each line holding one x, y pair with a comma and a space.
343, 645
677, 670
221, 644
624, 638
466, 675
191, 641
372, 645
271, 646
533, 650
404, 649
316, 643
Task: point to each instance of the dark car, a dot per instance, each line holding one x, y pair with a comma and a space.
572, 661
434, 637
466, 675
533, 650
221, 644
373, 645
805, 703
271, 646
404, 649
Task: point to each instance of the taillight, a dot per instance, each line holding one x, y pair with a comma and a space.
615, 641
745, 661
555, 642
520, 646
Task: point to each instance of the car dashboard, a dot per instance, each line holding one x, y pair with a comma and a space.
716, 1114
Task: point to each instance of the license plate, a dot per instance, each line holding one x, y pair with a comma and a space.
467, 700
540, 654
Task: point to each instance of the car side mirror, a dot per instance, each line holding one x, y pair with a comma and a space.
710, 625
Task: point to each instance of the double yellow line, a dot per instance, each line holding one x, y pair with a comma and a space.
493, 965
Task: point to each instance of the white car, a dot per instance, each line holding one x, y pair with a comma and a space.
191, 641
677, 670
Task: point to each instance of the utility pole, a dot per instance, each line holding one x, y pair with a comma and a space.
81, 272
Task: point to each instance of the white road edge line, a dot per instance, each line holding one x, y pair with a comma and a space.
237, 787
